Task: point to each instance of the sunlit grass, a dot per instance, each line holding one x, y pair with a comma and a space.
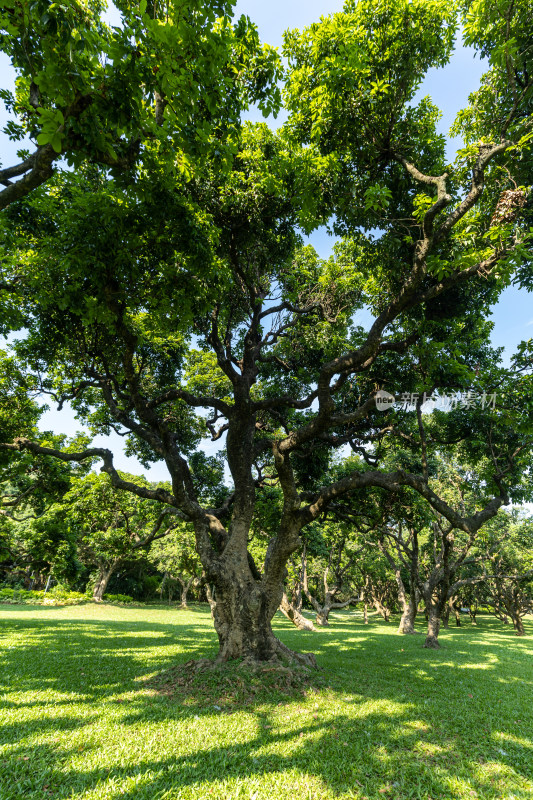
78, 718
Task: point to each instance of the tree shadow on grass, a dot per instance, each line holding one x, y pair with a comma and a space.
392, 720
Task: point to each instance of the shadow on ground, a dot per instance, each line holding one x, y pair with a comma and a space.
386, 718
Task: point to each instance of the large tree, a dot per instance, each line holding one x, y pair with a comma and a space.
179, 306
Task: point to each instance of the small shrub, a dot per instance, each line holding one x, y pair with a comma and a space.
118, 598
55, 596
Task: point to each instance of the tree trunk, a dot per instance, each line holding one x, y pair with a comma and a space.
472, 614
293, 614
446, 616
518, 625
457, 613
104, 574
162, 586
209, 593
365, 614
432, 638
409, 607
382, 610
407, 621
185, 586
322, 616
243, 617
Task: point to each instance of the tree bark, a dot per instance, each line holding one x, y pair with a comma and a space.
518, 625
382, 610
185, 586
243, 615
432, 638
209, 593
407, 621
409, 607
104, 574
293, 614
445, 619
456, 611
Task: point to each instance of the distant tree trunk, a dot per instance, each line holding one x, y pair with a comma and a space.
513, 609
518, 625
209, 593
162, 586
322, 609
365, 614
104, 574
472, 613
456, 610
445, 620
381, 609
185, 586
407, 621
409, 606
432, 638
293, 614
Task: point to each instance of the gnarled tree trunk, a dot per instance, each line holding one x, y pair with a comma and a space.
293, 614
407, 620
243, 621
518, 625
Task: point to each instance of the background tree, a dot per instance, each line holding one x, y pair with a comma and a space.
176, 557
335, 555
107, 526
508, 570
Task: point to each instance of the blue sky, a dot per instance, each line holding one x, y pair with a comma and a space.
449, 89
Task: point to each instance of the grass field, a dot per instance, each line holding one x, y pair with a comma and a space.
386, 719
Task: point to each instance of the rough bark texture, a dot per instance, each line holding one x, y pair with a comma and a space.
432, 638
407, 621
242, 616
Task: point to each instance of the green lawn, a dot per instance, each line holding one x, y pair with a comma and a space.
77, 719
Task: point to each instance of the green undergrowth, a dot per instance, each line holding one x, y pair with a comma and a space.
55, 597
103, 702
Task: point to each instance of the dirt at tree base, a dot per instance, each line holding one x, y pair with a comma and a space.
234, 684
